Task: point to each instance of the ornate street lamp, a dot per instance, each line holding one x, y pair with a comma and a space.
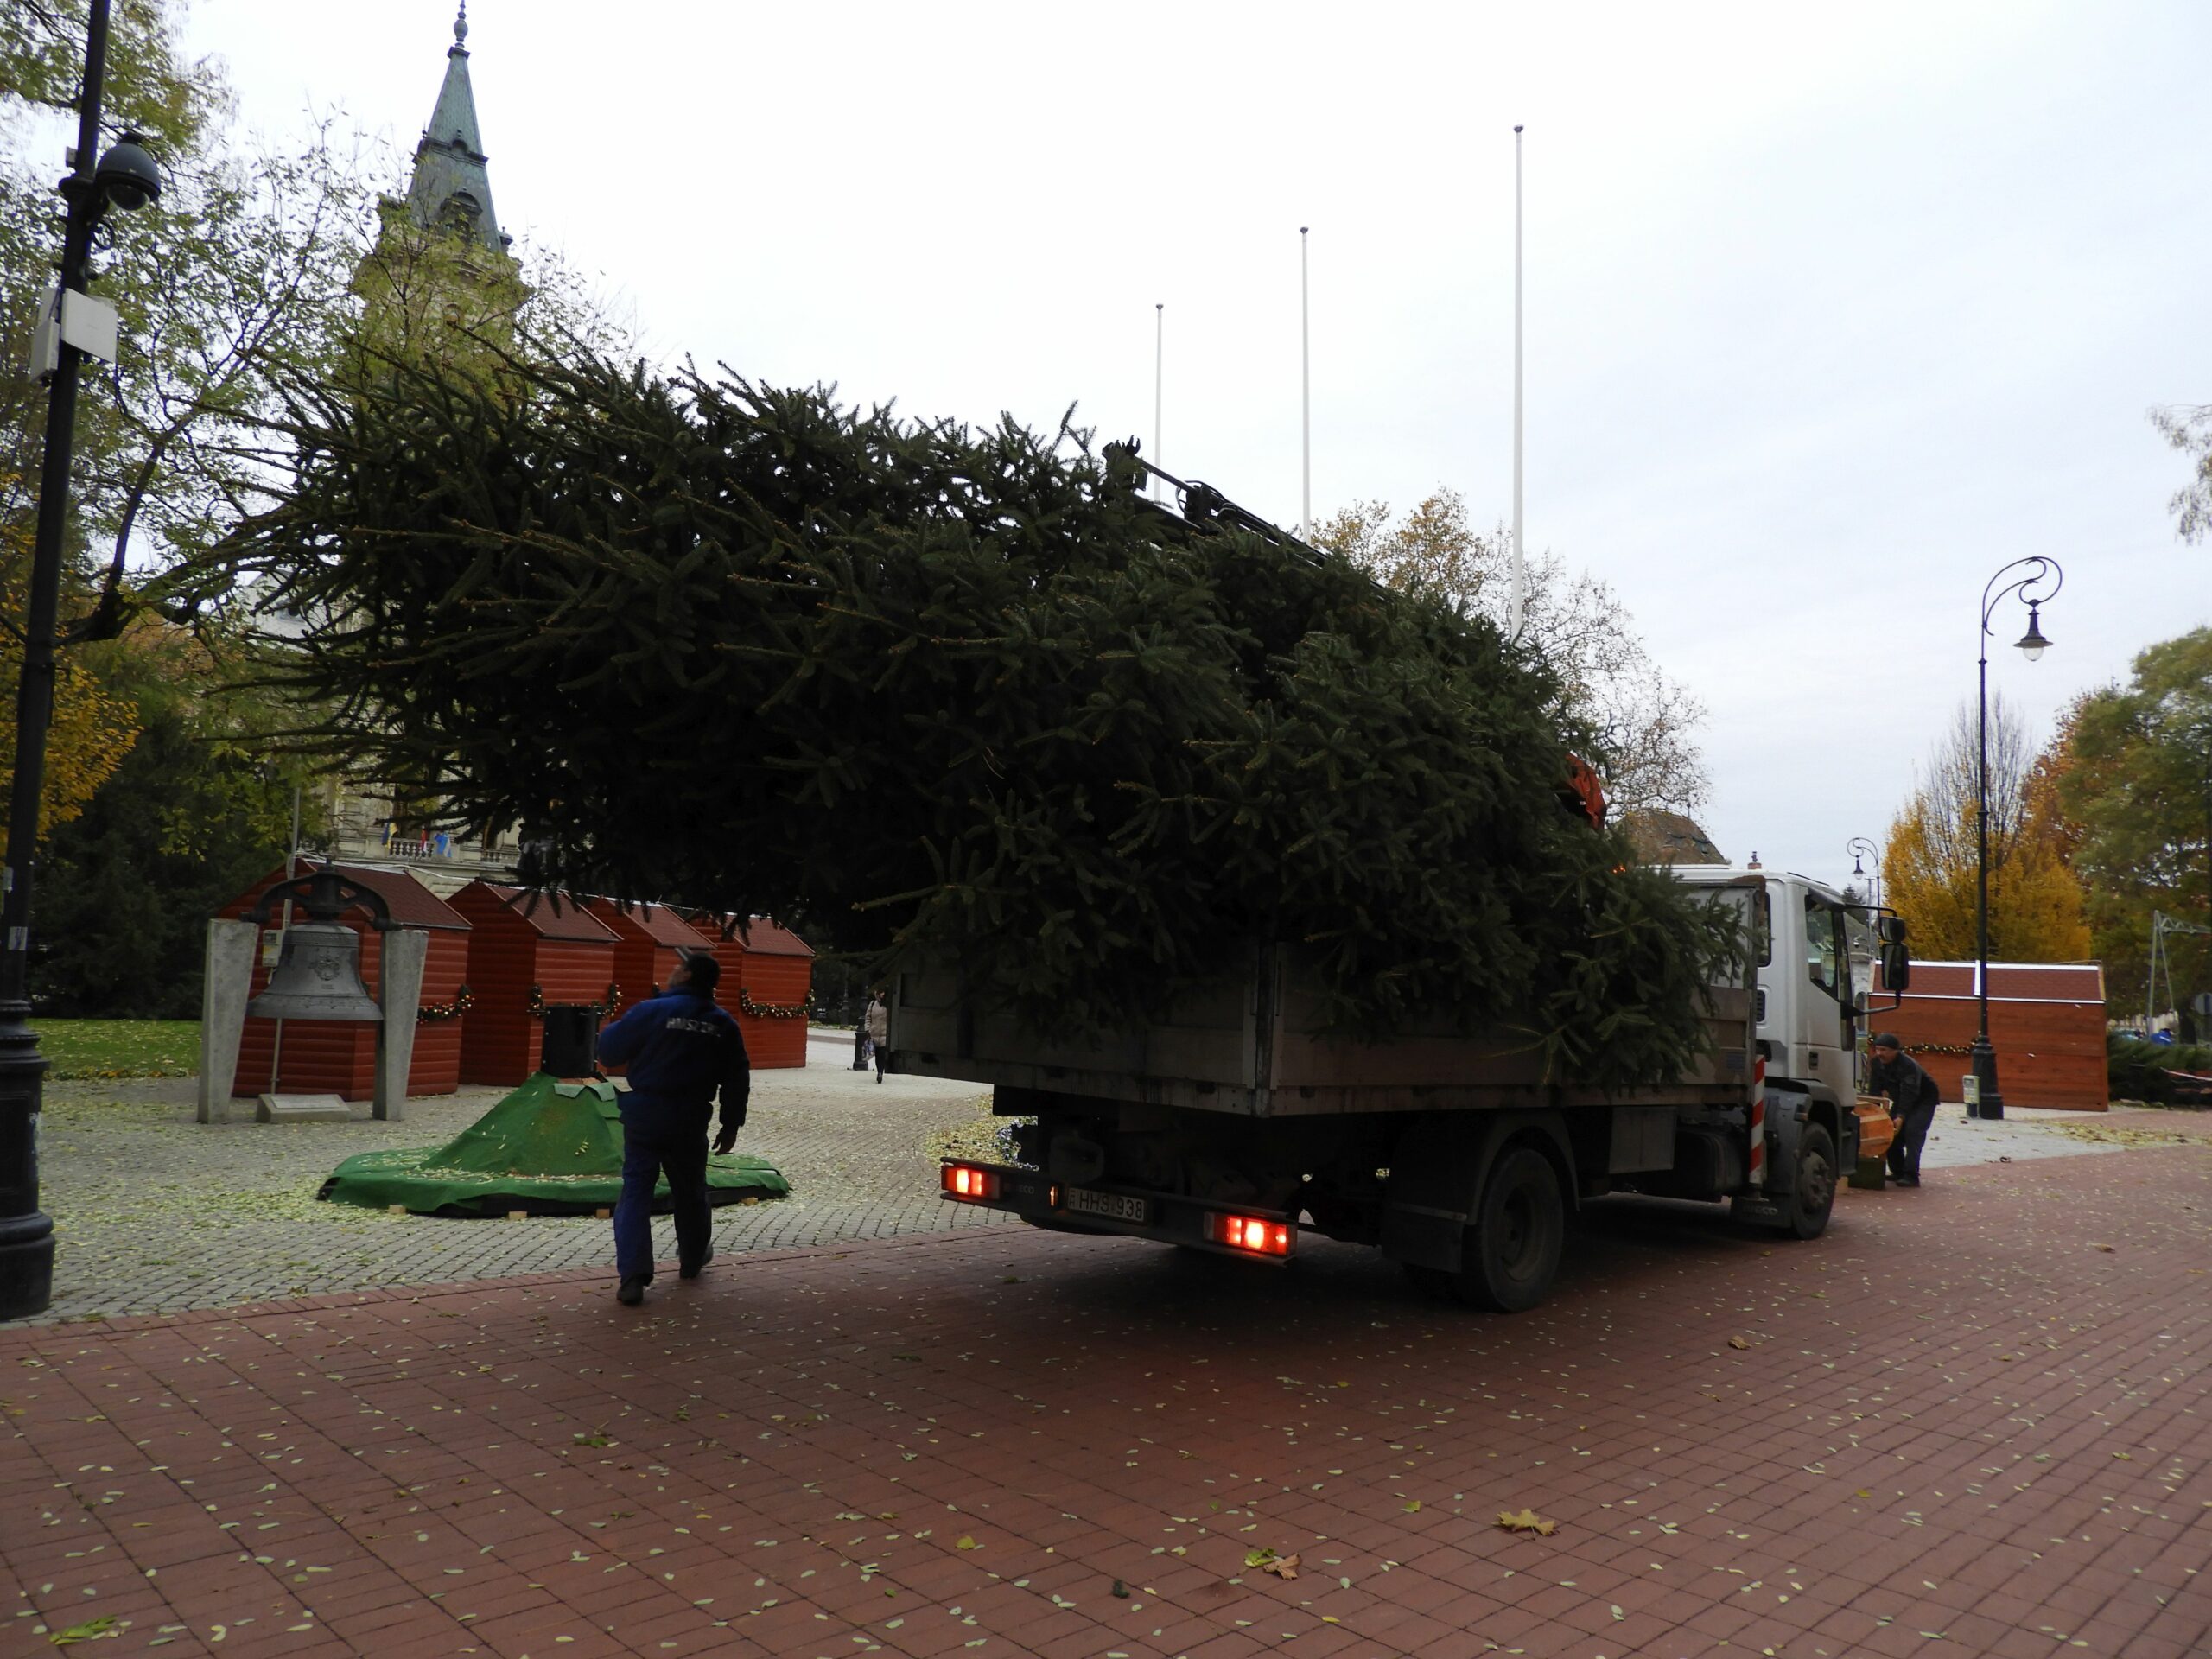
1861, 849
1984, 1100
124, 177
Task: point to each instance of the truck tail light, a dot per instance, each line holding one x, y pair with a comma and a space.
966, 1181
1251, 1233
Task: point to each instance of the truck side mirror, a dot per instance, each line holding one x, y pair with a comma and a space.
1897, 964
1890, 929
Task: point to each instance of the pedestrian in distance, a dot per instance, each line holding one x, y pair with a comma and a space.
1914, 1096
679, 1049
879, 1030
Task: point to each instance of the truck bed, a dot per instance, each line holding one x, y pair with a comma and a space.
1253, 1046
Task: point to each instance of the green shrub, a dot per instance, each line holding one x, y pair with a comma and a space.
2137, 1070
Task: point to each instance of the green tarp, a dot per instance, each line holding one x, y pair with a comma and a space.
552, 1149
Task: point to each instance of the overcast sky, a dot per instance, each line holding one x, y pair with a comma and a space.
1831, 311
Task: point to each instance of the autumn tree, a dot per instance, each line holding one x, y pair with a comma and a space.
2187, 428
200, 805
93, 729
1641, 721
2138, 785
1929, 861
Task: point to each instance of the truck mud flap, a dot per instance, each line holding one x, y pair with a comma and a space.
1757, 1210
1436, 1172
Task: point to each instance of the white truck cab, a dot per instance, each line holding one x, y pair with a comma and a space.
1817, 952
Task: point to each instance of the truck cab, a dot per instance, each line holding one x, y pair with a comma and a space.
1816, 950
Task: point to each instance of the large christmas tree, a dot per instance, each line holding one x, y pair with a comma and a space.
705, 638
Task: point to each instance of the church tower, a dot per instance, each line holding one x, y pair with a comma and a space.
438, 286
451, 190
440, 271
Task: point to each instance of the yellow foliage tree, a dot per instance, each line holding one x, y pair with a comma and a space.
92, 727
1929, 862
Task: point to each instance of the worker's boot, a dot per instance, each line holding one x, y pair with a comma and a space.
631, 1292
692, 1269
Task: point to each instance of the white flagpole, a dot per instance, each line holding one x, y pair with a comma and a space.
1520, 563
1305, 394
1159, 359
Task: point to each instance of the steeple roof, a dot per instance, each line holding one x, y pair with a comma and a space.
451, 189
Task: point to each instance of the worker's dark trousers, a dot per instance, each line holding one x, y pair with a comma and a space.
657, 1137
1912, 1136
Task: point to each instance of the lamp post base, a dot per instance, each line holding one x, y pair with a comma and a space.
26, 1232
1987, 1103
25, 1265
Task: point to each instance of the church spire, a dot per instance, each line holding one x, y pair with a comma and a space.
451, 190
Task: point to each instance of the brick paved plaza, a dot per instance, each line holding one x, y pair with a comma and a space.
1972, 1420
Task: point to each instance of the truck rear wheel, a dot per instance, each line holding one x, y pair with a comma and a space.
1513, 1243
1812, 1194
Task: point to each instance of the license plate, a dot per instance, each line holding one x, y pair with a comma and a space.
1112, 1206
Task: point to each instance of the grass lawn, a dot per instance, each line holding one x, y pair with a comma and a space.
119, 1048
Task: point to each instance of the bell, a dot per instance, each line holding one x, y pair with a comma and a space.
318, 978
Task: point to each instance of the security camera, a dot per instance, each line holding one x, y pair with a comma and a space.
127, 176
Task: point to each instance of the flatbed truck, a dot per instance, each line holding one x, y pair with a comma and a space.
1235, 1124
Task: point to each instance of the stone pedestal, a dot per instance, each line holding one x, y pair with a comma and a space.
227, 985
399, 989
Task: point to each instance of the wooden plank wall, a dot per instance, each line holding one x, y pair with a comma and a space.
2048, 1053
776, 982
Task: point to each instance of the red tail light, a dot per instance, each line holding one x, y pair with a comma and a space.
1251, 1233
966, 1181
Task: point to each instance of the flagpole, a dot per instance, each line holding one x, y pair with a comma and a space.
1520, 561
1159, 360
1305, 393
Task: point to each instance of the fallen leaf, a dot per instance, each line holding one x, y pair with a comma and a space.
1737, 1342
964, 1541
1412, 1506
92, 1628
1284, 1567
1526, 1520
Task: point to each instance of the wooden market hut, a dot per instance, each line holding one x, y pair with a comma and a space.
526, 951
649, 941
2046, 1022
338, 1056
768, 983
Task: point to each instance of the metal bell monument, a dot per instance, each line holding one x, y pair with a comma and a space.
318, 978
318, 974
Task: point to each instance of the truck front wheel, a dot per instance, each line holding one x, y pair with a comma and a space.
1812, 1196
1514, 1241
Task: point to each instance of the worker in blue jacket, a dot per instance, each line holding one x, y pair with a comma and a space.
679, 1048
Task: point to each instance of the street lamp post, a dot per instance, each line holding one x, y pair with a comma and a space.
124, 177
1984, 1100
1861, 849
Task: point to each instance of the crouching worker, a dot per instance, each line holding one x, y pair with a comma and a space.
1914, 1096
678, 1048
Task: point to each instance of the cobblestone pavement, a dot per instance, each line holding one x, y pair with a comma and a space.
156, 1213
1973, 1419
